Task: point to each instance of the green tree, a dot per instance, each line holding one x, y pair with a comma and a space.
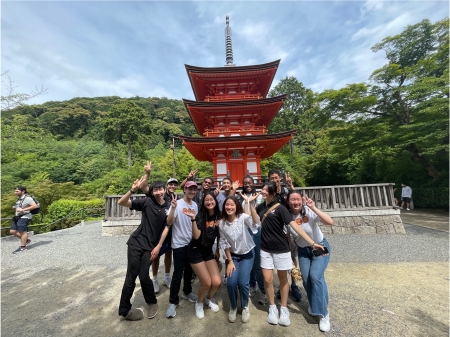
405, 105
128, 124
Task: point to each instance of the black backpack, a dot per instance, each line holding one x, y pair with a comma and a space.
37, 209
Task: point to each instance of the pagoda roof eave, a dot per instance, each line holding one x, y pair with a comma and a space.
201, 147
233, 69
234, 103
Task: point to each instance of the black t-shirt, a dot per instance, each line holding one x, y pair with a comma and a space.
153, 221
212, 230
273, 238
282, 196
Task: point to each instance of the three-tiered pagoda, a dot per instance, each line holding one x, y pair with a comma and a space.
232, 114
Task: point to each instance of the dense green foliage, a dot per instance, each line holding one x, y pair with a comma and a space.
72, 210
394, 128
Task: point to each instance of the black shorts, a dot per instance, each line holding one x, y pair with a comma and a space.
406, 199
199, 254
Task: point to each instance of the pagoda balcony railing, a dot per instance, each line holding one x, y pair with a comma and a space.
228, 131
231, 97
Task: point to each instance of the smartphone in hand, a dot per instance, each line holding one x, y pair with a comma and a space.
319, 252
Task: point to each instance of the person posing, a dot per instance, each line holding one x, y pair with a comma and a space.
171, 187
256, 276
275, 250
206, 187
22, 218
227, 191
181, 236
238, 245
205, 230
281, 192
144, 246
406, 196
307, 216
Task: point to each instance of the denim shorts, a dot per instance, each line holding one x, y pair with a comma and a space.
21, 225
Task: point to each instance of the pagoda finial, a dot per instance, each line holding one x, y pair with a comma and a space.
228, 46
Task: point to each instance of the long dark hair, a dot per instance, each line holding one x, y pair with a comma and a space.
271, 188
239, 209
203, 216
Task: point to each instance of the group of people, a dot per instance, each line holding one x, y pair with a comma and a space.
256, 232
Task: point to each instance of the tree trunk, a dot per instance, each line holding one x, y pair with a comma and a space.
424, 161
129, 154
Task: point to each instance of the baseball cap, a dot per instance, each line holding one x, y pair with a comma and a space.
172, 180
190, 183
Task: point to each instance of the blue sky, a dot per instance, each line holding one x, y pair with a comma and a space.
139, 48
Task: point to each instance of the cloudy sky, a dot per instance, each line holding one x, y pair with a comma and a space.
139, 48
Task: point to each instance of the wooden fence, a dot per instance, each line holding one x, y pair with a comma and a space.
328, 198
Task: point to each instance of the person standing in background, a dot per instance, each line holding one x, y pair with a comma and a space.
406, 195
22, 218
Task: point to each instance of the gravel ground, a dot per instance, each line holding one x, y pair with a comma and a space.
68, 283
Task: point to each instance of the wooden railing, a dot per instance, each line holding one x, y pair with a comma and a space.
351, 197
331, 198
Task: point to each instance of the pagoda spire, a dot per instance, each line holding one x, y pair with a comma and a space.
229, 47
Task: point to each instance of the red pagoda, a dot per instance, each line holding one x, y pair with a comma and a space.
232, 114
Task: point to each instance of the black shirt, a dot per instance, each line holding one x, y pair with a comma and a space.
282, 196
273, 238
212, 230
153, 221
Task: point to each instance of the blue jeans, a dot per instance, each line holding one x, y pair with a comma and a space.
240, 278
313, 269
256, 273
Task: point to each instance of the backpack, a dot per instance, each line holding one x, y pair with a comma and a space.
38, 208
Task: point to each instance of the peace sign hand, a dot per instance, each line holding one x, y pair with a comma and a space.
173, 202
289, 180
137, 184
148, 167
309, 202
192, 174
217, 190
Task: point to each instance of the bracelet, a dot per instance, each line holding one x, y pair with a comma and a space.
131, 191
192, 220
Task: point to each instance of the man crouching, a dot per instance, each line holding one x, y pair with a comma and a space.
144, 246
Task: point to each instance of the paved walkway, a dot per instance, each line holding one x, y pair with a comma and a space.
430, 218
68, 284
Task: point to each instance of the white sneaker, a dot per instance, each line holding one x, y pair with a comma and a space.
272, 318
199, 310
324, 323
252, 292
167, 281
191, 297
284, 317
155, 285
263, 299
232, 315
245, 315
171, 312
407, 209
212, 304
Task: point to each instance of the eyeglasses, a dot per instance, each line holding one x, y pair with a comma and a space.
207, 182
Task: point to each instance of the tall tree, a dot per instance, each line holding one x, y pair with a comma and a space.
128, 124
405, 105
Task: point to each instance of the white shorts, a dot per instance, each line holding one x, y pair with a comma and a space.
280, 261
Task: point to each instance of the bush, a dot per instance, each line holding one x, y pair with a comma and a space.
70, 210
430, 197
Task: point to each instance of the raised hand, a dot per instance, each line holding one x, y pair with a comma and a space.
173, 202
137, 184
235, 185
217, 190
148, 167
189, 213
309, 202
244, 196
254, 197
192, 174
288, 179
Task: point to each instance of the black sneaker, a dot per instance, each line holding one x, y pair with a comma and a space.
20, 250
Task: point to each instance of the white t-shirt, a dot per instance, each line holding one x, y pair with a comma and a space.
24, 202
182, 227
235, 235
311, 228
